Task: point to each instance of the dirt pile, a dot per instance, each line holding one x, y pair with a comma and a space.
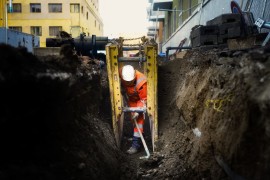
213, 116
214, 111
51, 121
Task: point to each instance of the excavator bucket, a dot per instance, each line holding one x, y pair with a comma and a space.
145, 61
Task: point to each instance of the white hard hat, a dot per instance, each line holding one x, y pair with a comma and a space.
128, 73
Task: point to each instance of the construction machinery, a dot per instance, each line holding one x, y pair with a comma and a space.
84, 45
145, 61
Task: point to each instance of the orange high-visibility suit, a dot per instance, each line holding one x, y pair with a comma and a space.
137, 97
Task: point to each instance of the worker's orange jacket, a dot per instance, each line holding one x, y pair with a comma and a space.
138, 91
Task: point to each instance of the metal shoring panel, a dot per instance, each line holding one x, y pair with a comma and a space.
151, 72
115, 91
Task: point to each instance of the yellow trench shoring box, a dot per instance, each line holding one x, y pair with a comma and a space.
145, 62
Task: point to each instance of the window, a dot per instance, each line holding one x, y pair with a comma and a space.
36, 30
54, 30
55, 7
82, 9
74, 8
95, 23
187, 6
16, 8
35, 7
87, 15
193, 5
174, 19
169, 24
16, 28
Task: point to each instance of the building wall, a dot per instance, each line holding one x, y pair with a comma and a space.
73, 23
210, 10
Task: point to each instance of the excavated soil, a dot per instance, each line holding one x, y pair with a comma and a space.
214, 116
214, 110
53, 120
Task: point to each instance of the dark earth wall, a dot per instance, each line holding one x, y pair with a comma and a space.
50, 121
225, 95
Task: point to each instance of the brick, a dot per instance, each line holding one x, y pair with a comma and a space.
204, 30
225, 18
204, 40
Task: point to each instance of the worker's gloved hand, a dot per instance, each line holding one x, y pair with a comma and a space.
134, 116
143, 103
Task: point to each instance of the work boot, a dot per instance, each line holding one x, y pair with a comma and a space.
132, 150
136, 144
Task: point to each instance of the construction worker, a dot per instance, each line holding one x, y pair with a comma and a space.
135, 87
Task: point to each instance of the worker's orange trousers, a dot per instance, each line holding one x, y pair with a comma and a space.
140, 119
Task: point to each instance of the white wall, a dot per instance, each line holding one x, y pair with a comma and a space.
210, 10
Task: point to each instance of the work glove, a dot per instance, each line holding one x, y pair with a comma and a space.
134, 116
143, 103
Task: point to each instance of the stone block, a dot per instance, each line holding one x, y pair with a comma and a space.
204, 40
204, 30
225, 18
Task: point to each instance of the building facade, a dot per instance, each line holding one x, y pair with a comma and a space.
46, 18
176, 18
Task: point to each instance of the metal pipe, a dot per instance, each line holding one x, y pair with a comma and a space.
174, 48
134, 109
10, 6
266, 40
264, 4
266, 25
156, 25
241, 4
131, 59
132, 48
250, 5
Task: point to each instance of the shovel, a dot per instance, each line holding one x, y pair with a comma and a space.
143, 141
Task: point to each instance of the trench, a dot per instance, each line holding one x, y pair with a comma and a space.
55, 120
